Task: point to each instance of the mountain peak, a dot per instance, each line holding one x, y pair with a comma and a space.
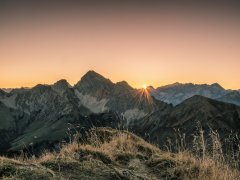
40, 86
92, 74
62, 83
123, 84
216, 85
93, 77
61, 86
150, 87
92, 81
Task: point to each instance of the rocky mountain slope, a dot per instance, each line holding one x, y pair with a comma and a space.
45, 115
187, 117
100, 94
50, 110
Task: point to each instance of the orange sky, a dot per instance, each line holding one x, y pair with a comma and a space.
142, 47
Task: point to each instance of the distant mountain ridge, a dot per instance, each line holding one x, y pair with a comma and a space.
178, 92
172, 94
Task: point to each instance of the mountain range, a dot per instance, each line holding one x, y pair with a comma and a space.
46, 115
178, 92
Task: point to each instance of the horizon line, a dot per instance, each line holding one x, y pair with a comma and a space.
148, 85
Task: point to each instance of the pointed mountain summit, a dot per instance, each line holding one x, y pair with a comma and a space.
94, 84
124, 85
92, 76
40, 88
61, 86
99, 94
218, 86
62, 83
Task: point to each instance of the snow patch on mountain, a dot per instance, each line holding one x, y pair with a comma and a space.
134, 113
7, 90
92, 103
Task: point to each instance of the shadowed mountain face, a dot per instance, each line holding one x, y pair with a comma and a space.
187, 117
46, 114
12, 123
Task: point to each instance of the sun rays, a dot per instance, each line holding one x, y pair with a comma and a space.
144, 95
144, 86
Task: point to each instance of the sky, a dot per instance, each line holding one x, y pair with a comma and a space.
141, 43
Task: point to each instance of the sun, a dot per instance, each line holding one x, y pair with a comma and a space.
144, 86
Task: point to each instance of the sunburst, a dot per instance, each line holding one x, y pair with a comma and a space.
144, 94
144, 86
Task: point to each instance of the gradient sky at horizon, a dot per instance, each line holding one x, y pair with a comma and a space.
154, 45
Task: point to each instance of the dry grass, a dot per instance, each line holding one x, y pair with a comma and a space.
14, 169
120, 147
112, 154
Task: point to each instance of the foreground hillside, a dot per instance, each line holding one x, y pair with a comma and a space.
113, 154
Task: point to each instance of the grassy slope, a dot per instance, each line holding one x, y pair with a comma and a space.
113, 154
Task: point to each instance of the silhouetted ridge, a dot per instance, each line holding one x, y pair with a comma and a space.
197, 101
62, 84
41, 87
123, 84
197, 98
92, 82
216, 85
93, 76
